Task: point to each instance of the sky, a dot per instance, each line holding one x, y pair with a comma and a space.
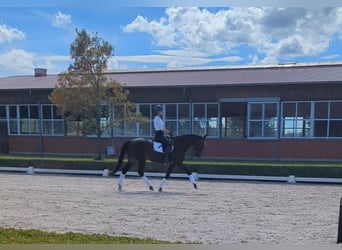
170, 34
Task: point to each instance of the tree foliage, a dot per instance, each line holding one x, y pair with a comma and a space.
83, 92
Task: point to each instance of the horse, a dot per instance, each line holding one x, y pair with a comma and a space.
141, 149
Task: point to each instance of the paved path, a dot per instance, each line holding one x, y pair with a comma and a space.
218, 212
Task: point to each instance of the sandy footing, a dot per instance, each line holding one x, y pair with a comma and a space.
218, 212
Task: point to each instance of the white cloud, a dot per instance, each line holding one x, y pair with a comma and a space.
172, 58
8, 34
17, 60
275, 33
21, 62
61, 20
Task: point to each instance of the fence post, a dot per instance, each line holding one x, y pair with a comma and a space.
339, 232
30, 170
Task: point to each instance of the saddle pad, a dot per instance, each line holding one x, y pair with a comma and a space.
157, 146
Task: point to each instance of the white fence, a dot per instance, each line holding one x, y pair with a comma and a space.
105, 173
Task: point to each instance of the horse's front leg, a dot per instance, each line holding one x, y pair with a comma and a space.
193, 181
141, 171
191, 176
147, 182
167, 176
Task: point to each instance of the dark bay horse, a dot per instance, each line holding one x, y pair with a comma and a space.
141, 149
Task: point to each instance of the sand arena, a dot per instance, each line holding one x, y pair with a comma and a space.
218, 212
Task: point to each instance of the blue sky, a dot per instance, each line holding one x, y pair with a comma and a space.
154, 35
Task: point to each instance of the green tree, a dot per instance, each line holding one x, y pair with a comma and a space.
84, 94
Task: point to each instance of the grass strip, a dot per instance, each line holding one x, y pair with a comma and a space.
34, 236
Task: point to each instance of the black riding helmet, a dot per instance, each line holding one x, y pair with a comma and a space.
158, 108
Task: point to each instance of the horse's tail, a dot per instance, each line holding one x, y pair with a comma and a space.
121, 157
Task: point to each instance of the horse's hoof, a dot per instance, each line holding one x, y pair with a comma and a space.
160, 190
195, 186
151, 188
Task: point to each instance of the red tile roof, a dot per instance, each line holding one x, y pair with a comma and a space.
279, 74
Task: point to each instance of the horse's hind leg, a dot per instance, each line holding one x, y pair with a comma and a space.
120, 183
123, 174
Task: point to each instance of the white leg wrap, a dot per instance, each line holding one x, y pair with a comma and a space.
192, 179
162, 183
121, 179
148, 183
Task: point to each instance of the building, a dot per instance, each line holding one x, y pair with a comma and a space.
278, 112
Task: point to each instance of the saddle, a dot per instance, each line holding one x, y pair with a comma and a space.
158, 146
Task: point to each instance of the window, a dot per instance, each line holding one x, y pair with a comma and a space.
263, 120
145, 129
183, 121
52, 121
206, 119
13, 119
296, 119
335, 121
327, 119
233, 117
118, 114
24, 119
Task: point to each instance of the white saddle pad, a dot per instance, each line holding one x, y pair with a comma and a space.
157, 146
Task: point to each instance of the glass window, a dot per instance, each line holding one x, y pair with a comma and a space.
256, 111
205, 119
336, 110
176, 118
23, 112
255, 129
183, 121
118, 120
13, 113
170, 112
46, 111
53, 122
335, 128
145, 128
321, 129
170, 117
321, 110
212, 120
233, 119
263, 120
296, 121
321, 119
29, 119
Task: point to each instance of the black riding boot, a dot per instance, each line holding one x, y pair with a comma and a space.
166, 155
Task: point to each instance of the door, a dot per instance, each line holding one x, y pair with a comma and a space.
4, 147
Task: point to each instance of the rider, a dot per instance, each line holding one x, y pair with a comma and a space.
161, 132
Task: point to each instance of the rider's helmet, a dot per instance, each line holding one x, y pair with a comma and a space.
158, 108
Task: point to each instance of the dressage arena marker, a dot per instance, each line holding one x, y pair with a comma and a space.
105, 173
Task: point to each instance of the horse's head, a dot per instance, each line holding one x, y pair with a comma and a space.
199, 146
